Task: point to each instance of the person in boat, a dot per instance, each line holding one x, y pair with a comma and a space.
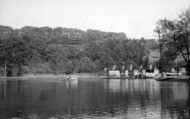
68, 75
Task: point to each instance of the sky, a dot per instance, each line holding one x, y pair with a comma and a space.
136, 18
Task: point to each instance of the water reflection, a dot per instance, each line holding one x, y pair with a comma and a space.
133, 99
72, 84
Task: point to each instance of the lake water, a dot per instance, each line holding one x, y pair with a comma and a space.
99, 99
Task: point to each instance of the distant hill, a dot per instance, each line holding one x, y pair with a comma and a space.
61, 35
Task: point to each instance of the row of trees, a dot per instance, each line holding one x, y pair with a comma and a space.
45, 50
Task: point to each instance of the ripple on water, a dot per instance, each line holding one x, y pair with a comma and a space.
118, 99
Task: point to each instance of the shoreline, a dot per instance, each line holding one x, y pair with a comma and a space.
54, 77
78, 76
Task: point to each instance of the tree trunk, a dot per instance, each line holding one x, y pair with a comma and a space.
19, 72
125, 69
5, 71
188, 70
107, 72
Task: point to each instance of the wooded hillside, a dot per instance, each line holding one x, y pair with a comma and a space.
46, 50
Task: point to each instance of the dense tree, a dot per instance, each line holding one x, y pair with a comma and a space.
16, 51
60, 50
177, 35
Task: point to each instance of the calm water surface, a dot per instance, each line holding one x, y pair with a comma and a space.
99, 99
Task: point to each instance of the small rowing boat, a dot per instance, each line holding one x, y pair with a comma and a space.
173, 78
